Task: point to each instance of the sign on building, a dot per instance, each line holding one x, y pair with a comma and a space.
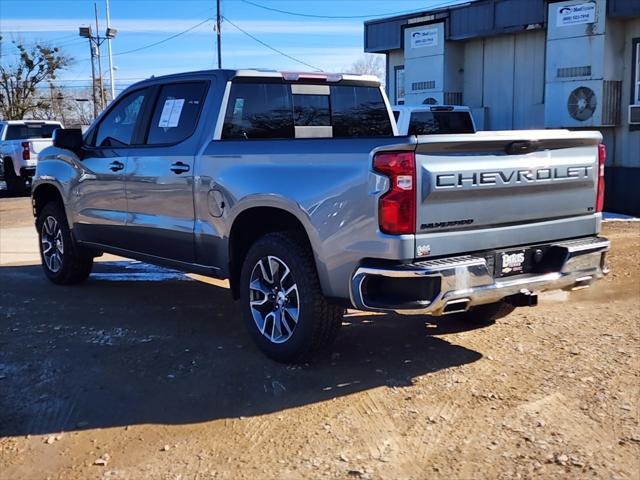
578, 14
427, 37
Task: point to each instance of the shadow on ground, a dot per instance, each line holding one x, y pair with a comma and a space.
136, 344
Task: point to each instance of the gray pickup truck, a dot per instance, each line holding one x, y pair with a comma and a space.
297, 188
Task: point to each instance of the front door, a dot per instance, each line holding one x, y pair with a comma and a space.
159, 176
99, 196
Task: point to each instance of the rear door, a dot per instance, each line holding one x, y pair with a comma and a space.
99, 198
495, 179
159, 175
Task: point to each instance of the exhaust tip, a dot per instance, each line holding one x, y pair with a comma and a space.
581, 283
456, 306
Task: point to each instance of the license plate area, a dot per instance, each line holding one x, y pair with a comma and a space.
513, 262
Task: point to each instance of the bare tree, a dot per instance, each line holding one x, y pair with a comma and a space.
369, 64
37, 64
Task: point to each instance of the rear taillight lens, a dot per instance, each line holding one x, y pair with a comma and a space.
397, 207
26, 154
602, 158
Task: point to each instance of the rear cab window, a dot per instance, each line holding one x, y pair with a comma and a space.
30, 130
445, 122
273, 110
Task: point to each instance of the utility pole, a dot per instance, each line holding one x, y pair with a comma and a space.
94, 46
98, 42
111, 81
219, 33
88, 34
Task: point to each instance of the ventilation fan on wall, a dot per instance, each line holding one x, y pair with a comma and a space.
430, 101
582, 104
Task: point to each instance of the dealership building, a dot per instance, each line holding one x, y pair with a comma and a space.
522, 64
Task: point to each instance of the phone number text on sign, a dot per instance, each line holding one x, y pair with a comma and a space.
576, 14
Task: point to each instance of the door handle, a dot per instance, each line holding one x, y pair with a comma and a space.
116, 166
180, 167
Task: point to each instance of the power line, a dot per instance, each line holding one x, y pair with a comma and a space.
309, 15
166, 39
270, 47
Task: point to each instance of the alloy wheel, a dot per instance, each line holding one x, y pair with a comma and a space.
274, 299
52, 244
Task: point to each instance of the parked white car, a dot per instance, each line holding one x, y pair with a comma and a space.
433, 119
20, 143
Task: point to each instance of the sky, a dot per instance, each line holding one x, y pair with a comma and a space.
330, 44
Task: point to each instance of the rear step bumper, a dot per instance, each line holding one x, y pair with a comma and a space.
454, 284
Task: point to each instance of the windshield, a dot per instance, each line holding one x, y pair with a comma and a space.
433, 123
30, 130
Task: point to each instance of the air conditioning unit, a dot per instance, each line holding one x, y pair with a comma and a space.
588, 103
634, 114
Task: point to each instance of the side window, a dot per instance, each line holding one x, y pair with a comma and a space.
117, 127
258, 110
359, 112
176, 112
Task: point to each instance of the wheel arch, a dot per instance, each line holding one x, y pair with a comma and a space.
44, 193
252, 223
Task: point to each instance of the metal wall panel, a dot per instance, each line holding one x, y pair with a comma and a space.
623, 8
383, 36
473, 72
472, 21
498, 81
528, 80
511, 13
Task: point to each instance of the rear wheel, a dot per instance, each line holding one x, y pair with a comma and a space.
486, 314
63, 262
15, 185
282, 303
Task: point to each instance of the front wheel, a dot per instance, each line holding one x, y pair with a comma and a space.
63, 262
282, 303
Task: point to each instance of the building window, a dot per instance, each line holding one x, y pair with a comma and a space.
399, 84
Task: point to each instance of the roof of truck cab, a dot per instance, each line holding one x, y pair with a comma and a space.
36, 122
259, 73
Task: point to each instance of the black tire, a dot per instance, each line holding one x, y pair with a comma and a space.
15, 185
74, 263
318, 321
487, 314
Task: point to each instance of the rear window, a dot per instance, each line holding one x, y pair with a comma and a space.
258, 111
433, 123
265, 110
23, 132
359, 112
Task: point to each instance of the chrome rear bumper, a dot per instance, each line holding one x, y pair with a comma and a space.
464, 281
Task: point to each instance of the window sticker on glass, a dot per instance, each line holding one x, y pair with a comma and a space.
171, 112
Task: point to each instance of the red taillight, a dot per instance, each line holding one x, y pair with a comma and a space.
26, 154
602, 158
397, 207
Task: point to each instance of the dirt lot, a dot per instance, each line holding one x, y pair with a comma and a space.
147, 373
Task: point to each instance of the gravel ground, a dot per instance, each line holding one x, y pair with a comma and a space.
147, 373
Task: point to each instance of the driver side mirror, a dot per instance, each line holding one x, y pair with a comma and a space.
68, 138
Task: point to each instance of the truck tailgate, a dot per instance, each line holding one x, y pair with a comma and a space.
496, 179
39, 144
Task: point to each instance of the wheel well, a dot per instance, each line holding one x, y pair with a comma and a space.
44, 194
251, 225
